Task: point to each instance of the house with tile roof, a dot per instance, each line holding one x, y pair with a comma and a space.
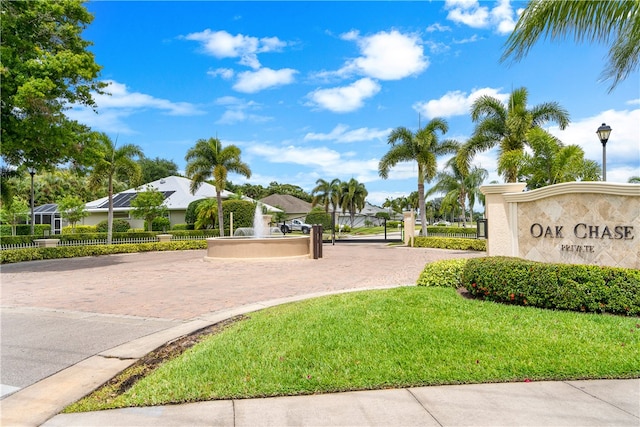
294, 207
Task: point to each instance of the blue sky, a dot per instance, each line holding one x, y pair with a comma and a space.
311, 90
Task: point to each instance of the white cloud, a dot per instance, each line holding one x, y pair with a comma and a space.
347, 98
121, 97
221, 44
470, 13
633, 102
264, 78
307, 156
386, 56
119, 103
467, 12
455, 103
320, 161
225, 73
341, 133
239, 110
437, 27
623, 148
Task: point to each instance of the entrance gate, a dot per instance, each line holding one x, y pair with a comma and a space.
385, 233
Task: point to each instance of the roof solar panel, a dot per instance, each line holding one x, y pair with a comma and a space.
47, 208
123, 200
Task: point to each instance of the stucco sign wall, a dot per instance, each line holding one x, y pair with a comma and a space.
578, 223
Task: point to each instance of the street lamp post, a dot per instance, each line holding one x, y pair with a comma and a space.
603, 133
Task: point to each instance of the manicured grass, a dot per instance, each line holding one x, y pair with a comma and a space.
401, 337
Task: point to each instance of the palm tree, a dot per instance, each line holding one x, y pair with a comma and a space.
206, 214
422, 147
614, 21
507, 127
353, 198
209, 160
459, 187
552, 162
327, 193
110, 161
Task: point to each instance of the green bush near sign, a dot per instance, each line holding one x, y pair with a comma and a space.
575, 287
444, 273
462, 244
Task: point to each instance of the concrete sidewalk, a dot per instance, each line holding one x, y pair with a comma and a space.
571, 403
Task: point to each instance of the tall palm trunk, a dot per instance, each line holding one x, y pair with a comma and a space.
421, 203
220, 213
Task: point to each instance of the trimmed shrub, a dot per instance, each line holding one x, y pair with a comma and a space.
393, 224
319, 217
16, 240
243, 212
79, 229
25, 230
159, 223
343, 228
20, 255
586, 288
119, 226
208, 232
451, 229
182, 227
450, 243
445, 273
98, 236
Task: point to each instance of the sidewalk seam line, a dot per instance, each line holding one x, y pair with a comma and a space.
601, 400
424, 407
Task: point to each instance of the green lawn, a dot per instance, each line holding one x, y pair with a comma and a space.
401, 337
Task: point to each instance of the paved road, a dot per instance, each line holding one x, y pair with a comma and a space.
56, 313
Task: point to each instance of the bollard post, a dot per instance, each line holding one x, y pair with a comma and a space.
316, 237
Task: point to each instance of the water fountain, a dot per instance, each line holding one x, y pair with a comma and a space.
258, 242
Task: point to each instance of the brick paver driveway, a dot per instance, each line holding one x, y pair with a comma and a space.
56, 313
181, 285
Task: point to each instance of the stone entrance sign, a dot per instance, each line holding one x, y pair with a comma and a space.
576, 222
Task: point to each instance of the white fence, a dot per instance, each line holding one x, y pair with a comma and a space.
103, 242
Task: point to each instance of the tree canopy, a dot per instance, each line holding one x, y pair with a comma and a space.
616, 22
45, 66
423, 147
209, 159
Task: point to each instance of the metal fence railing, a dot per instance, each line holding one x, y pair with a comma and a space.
454, 235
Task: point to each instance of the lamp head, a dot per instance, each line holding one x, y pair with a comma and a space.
603, 133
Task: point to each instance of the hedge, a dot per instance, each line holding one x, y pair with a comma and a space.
450, 243
25, 230
101, 236
79, 229
444, 273
586, 288
32, 254
451, 229
118, 225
